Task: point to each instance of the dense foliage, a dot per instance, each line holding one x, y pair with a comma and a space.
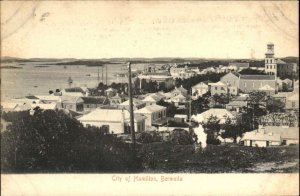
50, 141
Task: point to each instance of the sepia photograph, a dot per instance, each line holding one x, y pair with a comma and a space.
153, 95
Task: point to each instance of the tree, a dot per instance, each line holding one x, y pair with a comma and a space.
212, 129
51, 141
231, 130
181, 137
149, 137
275, 105
256, 106
200, 105
51, 92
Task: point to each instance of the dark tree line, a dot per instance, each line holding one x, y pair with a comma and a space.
50, 141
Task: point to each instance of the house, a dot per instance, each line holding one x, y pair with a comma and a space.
164, 79
236, 105
153, 113
179, 101
249, 83
72, 102
261, 139
75, 91
152, 99
175, 71
117, 99
289, 135
48, 98
290, 99
238, 66
46, 106
219, 88
200, 89
231, 78
186, 74
91, 103
271, 136
137, 104
110, 92
179, 90
221, 114
267, 89
117, 121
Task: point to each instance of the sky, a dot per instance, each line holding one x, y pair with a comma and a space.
101, 29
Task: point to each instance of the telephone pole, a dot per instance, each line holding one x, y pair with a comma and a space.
131, 107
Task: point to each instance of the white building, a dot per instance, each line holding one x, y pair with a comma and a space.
114, 119
221, 114
152, 113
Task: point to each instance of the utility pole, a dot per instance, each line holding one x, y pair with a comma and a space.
190, 108
131, 107
106, 76
98, 75
102, 75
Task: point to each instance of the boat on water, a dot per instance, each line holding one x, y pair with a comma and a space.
88, 74
65, 67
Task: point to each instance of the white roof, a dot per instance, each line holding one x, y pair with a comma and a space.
267, 87
284, 132
221, 114
259, 136
48, 97
217, 84
200, 84
108, 115
151, 98
180, 116
180, 96
150, 109
45, 106
8, 105
134, 101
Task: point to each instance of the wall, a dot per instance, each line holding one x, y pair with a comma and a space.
116, 127
247, 86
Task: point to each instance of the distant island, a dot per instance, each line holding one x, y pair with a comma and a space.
203, 62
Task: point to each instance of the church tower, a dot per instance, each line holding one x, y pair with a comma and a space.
270, 61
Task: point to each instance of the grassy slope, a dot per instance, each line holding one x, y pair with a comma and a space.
163, 157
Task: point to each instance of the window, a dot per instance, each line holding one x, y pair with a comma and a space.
222, 89
216, 88
283, 142
267, 67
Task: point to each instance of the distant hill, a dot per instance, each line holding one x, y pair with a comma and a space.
203, 62
291, 59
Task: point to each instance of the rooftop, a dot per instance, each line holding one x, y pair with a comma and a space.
109, 115
258, 77
150, 109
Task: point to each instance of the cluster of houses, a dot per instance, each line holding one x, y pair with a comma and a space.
112, 110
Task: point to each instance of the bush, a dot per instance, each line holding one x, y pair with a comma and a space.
149, 137
181, 137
